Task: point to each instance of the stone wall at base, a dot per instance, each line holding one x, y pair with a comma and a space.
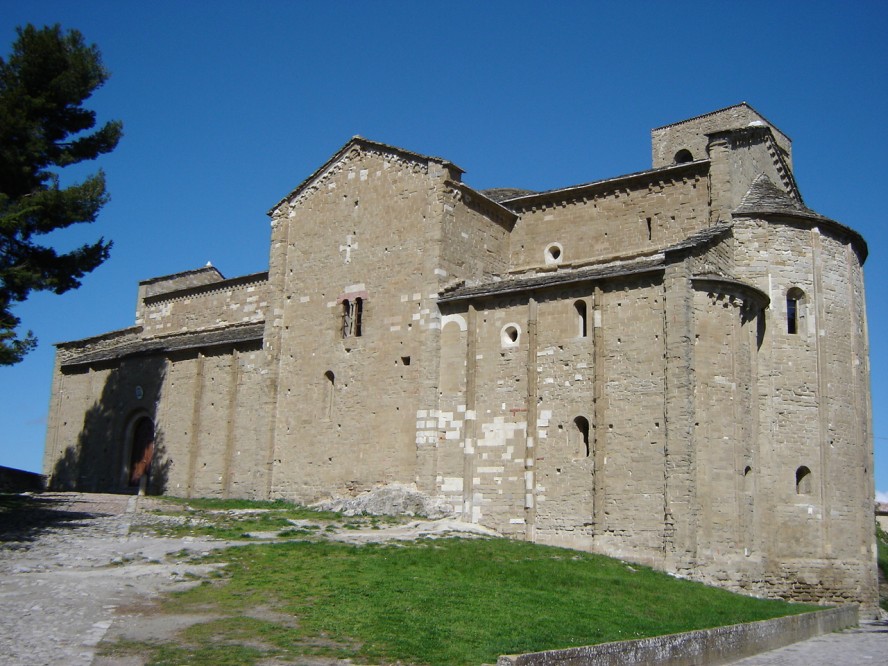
721, 645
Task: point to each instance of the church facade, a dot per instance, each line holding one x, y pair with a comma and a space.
669, 367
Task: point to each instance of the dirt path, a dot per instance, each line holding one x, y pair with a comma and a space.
68, 563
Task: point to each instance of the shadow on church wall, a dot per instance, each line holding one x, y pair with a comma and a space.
100, 459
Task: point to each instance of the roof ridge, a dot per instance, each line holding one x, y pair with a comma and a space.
356, 140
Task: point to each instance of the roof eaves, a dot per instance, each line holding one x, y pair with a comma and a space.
555, 279
172, 343
700, 238
252, 278
173, 276
608, 183
131, 330
611, 269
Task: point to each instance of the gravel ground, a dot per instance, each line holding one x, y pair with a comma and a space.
67, 567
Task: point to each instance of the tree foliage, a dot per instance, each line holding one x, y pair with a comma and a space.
44, 127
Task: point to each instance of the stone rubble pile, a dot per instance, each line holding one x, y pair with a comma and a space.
391, 500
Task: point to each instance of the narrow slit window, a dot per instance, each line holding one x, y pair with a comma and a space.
346, 318
330, 392
583, 328
582, 424
794, 304
359, 316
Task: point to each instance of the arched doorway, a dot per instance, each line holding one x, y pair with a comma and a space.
141, 453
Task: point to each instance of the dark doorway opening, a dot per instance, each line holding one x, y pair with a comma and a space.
142, 451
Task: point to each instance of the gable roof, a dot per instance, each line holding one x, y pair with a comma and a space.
362, 143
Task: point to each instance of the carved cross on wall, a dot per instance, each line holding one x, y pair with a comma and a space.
348, 248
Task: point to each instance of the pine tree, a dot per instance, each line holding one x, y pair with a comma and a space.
43, 127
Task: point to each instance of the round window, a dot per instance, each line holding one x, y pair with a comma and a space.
554, 254
510, 335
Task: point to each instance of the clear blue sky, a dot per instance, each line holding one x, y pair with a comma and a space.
229, 105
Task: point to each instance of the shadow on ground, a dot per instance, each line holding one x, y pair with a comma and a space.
25, 517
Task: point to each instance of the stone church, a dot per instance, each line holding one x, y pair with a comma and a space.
669, 367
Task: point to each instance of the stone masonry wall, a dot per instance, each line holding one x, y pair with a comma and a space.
630, 429
626, 219
211, 428
736, 159
587, 468
235, 301
335, 430
473, 244
207, 430
726, 423
813, 496
692, 134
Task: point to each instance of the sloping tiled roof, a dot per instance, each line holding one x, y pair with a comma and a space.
553, 279
700, 237
504, 193
176, 276
172, 343
646, 264
765, 197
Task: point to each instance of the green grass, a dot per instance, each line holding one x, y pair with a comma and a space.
450, 601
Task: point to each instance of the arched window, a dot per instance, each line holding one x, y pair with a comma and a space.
794, 304
582, 425
580, 307
803, 481
683, 156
